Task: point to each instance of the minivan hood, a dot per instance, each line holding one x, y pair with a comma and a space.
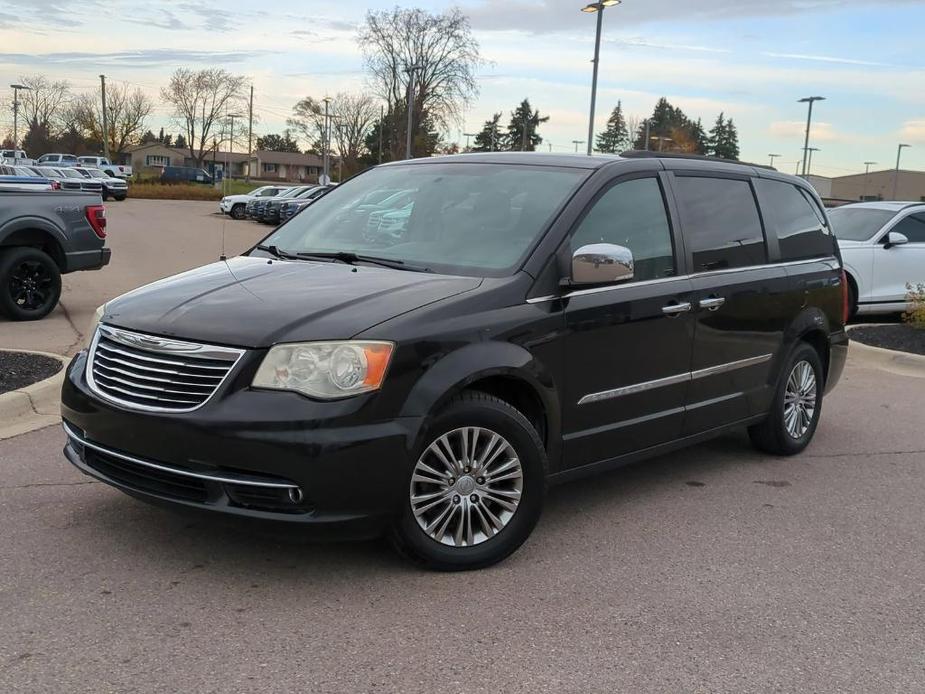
256, 302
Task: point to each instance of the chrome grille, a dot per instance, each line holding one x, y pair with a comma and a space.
145, 372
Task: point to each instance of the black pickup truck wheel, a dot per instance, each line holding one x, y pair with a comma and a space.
30, 284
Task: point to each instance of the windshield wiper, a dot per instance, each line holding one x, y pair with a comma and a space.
277, 253
352, 258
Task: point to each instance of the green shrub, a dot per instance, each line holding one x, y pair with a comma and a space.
915, 296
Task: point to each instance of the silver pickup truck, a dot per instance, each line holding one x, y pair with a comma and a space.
42, 236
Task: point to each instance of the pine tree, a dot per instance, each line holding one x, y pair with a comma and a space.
491, 139
148, 137
522, 131
615, 138
664, 123
724, 139
699, 136
180, 142
160, 137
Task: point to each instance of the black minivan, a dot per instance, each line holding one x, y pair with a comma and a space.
425, 368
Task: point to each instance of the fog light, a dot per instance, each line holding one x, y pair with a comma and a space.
295, 495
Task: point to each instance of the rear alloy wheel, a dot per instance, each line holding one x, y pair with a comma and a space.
476, 489
797, 406
237, 211
30, 284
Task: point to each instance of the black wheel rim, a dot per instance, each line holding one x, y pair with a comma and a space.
31, 285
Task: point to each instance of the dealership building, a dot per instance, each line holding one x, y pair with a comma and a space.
876, 185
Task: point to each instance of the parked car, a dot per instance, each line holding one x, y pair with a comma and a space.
56, 160
63, 182
13, 181
111, 187
42, 236
883, 246
541, 318
271, 210
236, 205
293, 207
186, 174
86, 184
15, 157
103, 164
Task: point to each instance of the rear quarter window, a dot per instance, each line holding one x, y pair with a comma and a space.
802, 232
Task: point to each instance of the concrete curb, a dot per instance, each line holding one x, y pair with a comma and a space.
33, 407
901, 363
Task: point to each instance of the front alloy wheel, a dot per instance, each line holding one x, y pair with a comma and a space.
466, 486
475, 488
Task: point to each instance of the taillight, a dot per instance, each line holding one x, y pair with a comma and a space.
845, 298
55, 185
96, 215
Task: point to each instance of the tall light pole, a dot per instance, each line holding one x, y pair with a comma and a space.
809, 166
576, 143
646, 144
598, 9
16, 90
467, 136
325, 142
899, 153
410, 70
231, 117
867, 165
809, 121
773, 157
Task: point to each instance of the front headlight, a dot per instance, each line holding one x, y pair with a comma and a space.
91, 329
325, 370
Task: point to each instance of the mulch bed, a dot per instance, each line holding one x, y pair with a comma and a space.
902, 338
18, 370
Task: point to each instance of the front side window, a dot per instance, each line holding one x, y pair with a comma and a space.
721, 223
632, 214
801, 230
458, 218
912, 227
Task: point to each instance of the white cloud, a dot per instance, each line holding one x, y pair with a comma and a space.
913, 130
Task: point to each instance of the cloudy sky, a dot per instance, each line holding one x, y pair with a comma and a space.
751, 59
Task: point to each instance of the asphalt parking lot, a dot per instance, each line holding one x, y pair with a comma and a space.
715, 569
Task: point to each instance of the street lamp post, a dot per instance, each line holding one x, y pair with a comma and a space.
410, 70
809, 121
230, 151
867, 165
467, 136
325, 142
899, 153
809, 166
16, 90
576, 143
773, 157
596, 8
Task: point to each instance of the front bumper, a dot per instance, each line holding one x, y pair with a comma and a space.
241, 454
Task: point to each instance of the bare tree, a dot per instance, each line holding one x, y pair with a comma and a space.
43, 104
440, 46
352, 118
201, 100
127, 112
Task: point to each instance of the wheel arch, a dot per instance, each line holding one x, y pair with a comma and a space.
507, 371
35, 234
811, 326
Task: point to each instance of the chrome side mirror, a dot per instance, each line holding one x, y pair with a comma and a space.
894, 238
601, 263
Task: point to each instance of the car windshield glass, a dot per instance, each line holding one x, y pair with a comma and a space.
457, 218
70, 173
858, 223
96, 173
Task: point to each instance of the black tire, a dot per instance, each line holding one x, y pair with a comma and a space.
120, 198
237, 211
30, 284
852, 299
772, 435
476, 409
104, 195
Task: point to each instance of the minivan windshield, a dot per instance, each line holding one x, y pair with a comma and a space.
454, 218
858, 223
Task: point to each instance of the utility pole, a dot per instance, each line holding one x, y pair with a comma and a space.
250, 133
105, 119
646, 146
867, 165
523, 145
381, 128
809, 121
410, 70
899, 153
16, 89
325, 135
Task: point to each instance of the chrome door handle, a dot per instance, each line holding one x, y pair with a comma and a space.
674, 309
713, 303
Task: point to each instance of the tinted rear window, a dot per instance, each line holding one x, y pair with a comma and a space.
721, 223
801, 230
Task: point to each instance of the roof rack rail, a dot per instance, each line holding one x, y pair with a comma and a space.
649, 154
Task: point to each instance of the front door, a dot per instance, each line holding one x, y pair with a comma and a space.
628, 346
897, 266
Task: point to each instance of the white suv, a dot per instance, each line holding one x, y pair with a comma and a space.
883, 248
234, 205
